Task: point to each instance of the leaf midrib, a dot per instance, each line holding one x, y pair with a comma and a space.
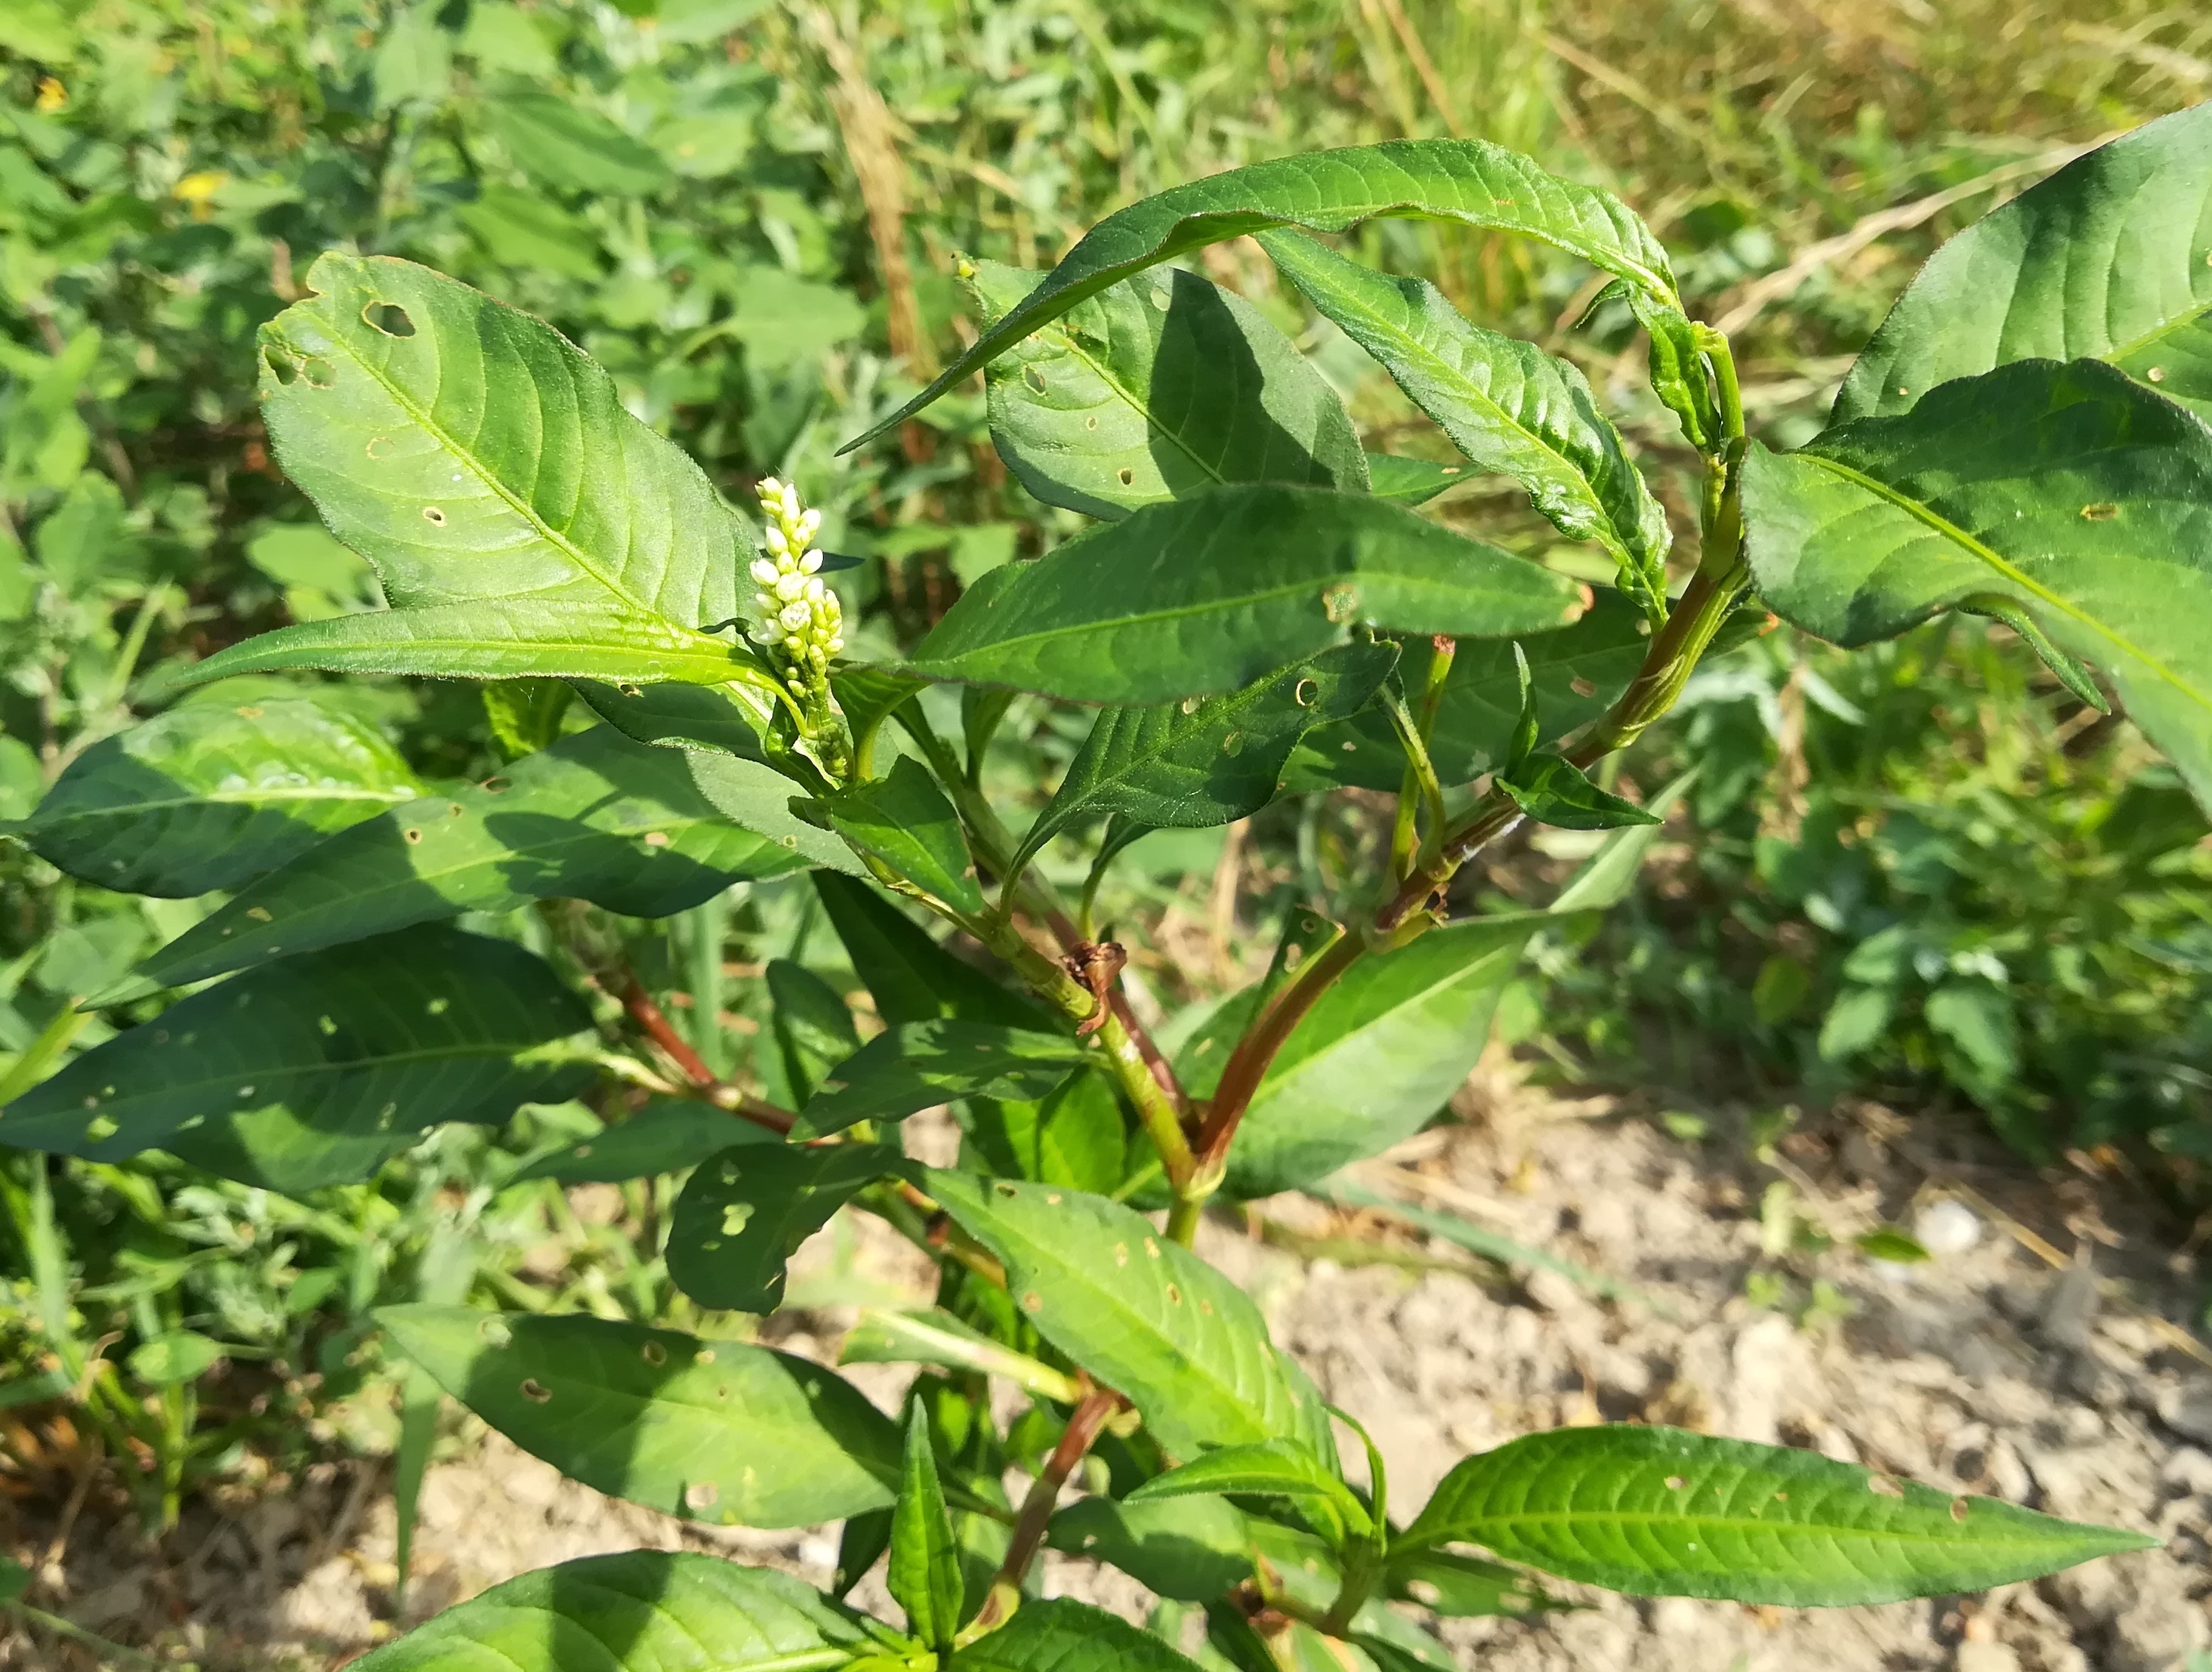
1114, 383
2188, 316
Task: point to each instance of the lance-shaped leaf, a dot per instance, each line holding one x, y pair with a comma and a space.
1074, 1135
1660, 1512
709, 1431
904, 820
1376, 1057
910, 976
744, 1214
1410, 481
522, 521
1470, 181
375, 1043
917, 1065
2109, 258
924, 1573
1208, 760
1191, 1548
1213, 592
570, 147
1142, 1314
1157, 387
2077, 494
640, 1611
810, 1027
1578, 672
666, 1136
1062, 1635
729, 719
595, 816
1270, 1468
1552, 790
1509, 406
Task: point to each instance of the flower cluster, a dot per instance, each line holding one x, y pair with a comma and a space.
800, 620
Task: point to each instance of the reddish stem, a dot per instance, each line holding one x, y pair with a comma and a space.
1099, 1407
653, 1023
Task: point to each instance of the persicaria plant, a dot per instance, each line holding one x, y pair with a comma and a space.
1258, 611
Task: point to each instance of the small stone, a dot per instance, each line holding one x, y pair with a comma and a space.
2187, 1409
1946, 1227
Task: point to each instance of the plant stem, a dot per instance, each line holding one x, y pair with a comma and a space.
653, 1023
1099, 1407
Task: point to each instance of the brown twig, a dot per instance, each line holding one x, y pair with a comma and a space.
653, 1023
1099, 1406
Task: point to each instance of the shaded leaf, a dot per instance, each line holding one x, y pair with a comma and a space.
913, 1066
1067, 1636
666, 1136
745, 1211
910, 976
811, 1024
730, 720
1074, 1135
904, 820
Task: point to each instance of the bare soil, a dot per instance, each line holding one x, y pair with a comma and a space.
2045, 1364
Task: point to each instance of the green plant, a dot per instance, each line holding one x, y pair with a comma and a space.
1257, 612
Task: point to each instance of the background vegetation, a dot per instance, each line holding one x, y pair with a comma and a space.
752, 214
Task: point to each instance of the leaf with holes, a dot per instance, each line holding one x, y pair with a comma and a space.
903, 820
523, 523
1060, 1635
2109, 258
594, 817
1214, 591
913, 1066
1156, 387
666, 1136
347, 1055
1207, 761
1509, 406
211, 794
744, 1214
2073, 494
1469, 181
709, 1431
640, 1611
1145, 1316
1660, 1512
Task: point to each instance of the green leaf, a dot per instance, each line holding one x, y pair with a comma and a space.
1552, 790
1679, 375
369, 1044
569, 147
1578, 673
758, 798
924, 1576
2080, 496
1067, 1636
2109, 259
525, 714
491, 474
1662, 1512
728, 720
811, 1024
1410, 481
1898, 1247
210, 795
1509, 407
595, 817
1379, 1053
869, 694
666, 1136
174, 1358
1211, 592
1154, 388
1208, 760
1190, 1549
1605, 876
14, 1580
640, 1611
904, 820
910, 976
708, 1430
745, 1211
1270, 1468
1074, 1135
1460, 1587
1469, 181
913, 1066
1144, 1315
937, 1337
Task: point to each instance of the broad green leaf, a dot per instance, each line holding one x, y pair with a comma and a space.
937, 1337
1509, 406
595, 816
709, 1431
1379, 1053
666, 1136
2079, 495
1211, 592
2109, 258
1446, 1583
903, 820
640, 1611
174, 1358
490, 472
371, 1044
1552, 790
1066, 1636
1208, 760
1410, 481
1156, 387
745, 1211
1190, 1549
758, 798
210, 795
1269, 1468
1660, 1512
1074, 1135
913, 1065
924, 1574
1144, 1315
1470, 181
910, 976
569, 147
809, 1024
1578, 672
